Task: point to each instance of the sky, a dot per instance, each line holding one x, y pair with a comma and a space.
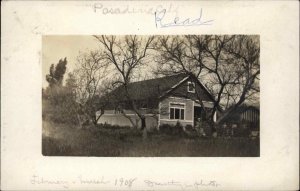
56, 47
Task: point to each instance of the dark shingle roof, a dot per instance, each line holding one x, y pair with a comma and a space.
154, 90
149, 89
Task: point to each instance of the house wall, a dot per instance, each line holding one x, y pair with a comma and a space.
111, 118
250, 115
165, 111
182, 91
206, 104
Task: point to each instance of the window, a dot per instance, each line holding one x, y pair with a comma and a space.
191, 87
177, 111
172, 112
118, 111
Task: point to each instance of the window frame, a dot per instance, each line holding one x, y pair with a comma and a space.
188, 87
181, 111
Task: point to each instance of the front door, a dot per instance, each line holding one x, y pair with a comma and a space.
197, 115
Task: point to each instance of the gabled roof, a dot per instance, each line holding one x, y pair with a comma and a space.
151, 89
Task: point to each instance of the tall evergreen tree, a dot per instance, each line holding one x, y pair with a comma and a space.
56, 73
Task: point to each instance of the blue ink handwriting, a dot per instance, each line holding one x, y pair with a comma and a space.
178, 22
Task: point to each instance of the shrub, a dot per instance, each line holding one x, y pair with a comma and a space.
112, 127
58, 106
178, 129
172, 129
223, 130
189, 128
239, 130
208, 128
115, 131
242, 132
153, 131
165, 128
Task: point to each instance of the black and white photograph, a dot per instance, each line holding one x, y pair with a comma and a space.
151, 96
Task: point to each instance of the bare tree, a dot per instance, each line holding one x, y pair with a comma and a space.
244, 52
179, 54
229, 64
90, 70
126, 55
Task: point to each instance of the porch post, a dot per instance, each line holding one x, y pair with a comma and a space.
193, 113
215, 116
158, 121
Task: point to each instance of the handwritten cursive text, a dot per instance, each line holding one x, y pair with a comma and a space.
177, 21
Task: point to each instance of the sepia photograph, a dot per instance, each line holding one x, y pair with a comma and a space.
151, 96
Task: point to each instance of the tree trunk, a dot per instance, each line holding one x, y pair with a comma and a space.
143, 120
96, 119
224, 115
134, 125
79, 121
145, 134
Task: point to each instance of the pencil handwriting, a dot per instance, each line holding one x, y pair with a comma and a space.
160, 21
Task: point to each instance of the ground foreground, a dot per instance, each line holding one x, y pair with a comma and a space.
67, 140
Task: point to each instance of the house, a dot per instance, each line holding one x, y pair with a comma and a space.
165, 100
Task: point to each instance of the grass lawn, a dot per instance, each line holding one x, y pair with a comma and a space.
65, 140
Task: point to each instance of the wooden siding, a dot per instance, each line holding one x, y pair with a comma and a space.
206, 104
121, 120
182, 91
165, 110
130, 112
173, 122
247, 115
250, 115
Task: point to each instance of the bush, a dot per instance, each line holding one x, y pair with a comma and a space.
240, 130
59, 106
178, 129
112, 127
208, 128
115, 131
153, 131
172, 129
189, 128
165, 128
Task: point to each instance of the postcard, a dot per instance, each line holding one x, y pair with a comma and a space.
150, 95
